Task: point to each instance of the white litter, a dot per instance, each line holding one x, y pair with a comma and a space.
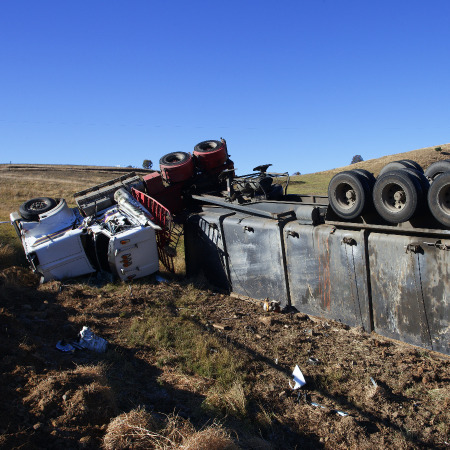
299, 379
317, 405
91, 341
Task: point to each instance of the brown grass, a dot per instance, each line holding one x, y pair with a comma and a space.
136, 429
140, 430
317, 183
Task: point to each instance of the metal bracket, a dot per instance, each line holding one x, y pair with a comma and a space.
438, 244
414, 247
348, 240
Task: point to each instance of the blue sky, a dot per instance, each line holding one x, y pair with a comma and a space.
304, 85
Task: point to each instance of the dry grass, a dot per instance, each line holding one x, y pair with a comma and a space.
140, 430
136, 429
227, 401
317, 183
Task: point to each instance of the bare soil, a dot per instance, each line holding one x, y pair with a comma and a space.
362, 390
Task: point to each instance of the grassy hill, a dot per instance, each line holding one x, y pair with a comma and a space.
317, 183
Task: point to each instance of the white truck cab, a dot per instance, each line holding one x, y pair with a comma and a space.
62, 242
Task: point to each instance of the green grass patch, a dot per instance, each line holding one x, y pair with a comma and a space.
176, 334
315, 183
184, 343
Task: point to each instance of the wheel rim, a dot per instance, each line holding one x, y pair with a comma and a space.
207, 146
345, 196
444, 199
174, 158
37, 205
394, 197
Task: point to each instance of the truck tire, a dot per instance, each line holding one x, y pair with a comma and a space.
176, 167
368, 175
439, 198
348, 194
396, 165
423, 180
414, 164
175, 159
31, 209
397, 194
210, 154
437, 168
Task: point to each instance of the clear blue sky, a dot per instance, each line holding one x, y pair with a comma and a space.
302, 84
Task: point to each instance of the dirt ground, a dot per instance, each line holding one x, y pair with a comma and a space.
362, 390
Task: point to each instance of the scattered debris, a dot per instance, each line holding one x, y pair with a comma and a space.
271, 306
160, 279
313, 361
299, 379
64, 346
91, 341
317, 405
218, 326
340, 413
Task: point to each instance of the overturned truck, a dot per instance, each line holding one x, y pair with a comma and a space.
374, 253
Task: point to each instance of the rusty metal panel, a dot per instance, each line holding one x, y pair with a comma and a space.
205, 248
255, 256
410, 289
327, 272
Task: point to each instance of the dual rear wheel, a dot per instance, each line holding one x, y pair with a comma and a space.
401, 191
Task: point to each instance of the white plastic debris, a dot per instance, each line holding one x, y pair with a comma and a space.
91, 341
313, 361
317, 405
342, 413
373, 382
299, 379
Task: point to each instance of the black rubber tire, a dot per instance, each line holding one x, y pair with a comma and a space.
395, 165
208, 146
349, 194
368, 175
397, 195
437, 168
175, 159
439, 198
414, 164
31, 209
424, 183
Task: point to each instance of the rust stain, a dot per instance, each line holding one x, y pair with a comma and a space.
324, 273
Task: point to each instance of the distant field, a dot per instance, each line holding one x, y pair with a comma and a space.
317, 183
